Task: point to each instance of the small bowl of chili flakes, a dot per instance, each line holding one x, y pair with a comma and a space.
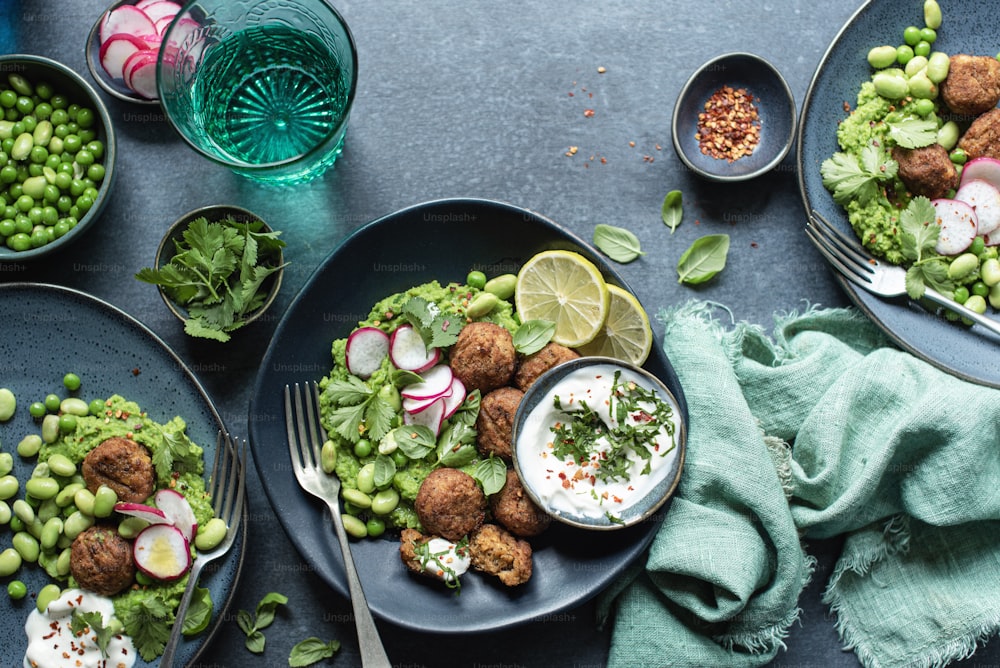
734, 118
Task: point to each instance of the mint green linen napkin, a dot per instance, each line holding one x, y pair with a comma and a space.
901, 458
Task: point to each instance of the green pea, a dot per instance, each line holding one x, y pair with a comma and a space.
482, 305
502, 286
210, 534
923, 107
881, 57
363, 448
130, 527
84, 501
961, 294
366, 478
400, 459
904, 53
105, 499
16, 590
981, 289
938, 65
76, 524
923, 48
357, 497
911, 35
67, 423
97, 407
61, 465
8, 404
10, 561
328, 456
354, 526
385, 501
71, 382
26, 545
6, 463
9, 487
476, 279
52, 402
375, 526
37, 409
50, 428
46, 596
928, 35
959, 156
42, 488
947, 135
64, 499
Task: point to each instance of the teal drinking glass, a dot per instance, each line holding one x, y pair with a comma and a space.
264, 87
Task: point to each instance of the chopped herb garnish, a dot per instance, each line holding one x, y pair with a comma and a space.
435, 561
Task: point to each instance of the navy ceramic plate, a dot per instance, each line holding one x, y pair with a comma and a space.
440, 240
971, 355
47, 331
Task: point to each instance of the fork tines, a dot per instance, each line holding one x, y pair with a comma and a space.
842, 252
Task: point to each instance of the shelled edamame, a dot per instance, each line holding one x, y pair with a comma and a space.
51, 163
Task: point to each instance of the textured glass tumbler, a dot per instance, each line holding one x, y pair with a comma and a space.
264, 87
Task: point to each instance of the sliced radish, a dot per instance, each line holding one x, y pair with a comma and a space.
142, 4
958, 224
984, 199
143, 80
454, 399
142, 511
116, 50
180, 35
432, 416
128, 20
135, 60
161, 551
162, 23
412, 405
366, 348
178, 511
158, 10
408, 351
984, 169
434, 384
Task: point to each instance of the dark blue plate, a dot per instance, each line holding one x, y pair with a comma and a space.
440, 240
968, 27
47, 331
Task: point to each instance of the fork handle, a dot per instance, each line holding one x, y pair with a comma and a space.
167, 658
952, 305
372, 652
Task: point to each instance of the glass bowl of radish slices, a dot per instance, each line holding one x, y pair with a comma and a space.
123, 47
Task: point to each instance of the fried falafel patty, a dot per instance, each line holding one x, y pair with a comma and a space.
926, 171
534, 365
450, 504
514, 509
983, 136
124, 466
442, 566
495, 551
495, 422
101, 560
972, 86
483, 357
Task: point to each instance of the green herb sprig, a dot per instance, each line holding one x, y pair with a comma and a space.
252, 624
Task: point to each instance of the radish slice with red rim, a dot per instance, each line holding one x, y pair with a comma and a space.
413, 405
984, 198
982, 168
435, 383
958, 224
178, 511
365, 350
143, 512
160, 9
127, 19
432, 416
408, 350
116, 50
161, 552
455, 398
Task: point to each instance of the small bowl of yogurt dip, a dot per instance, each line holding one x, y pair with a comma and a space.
599, 443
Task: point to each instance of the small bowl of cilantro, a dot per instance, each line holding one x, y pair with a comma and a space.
218, 268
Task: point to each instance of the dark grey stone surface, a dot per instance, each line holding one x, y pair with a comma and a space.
472, 99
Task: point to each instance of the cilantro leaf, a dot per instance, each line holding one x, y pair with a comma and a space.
147, 621
850, 179
310, 651
918, 233
437, 328
913, 132
358, 409
82, 622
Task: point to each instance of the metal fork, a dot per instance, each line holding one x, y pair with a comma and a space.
884, 280
304, 444
226, 489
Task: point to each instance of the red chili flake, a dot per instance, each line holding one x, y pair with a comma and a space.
588, 113
753, 244
135, 371
729, 127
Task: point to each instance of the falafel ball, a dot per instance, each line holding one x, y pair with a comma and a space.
534, 365
101, 560
450, 504
495, 551
410, 539
514, 509
483, 357
983, 136
124, 466
495, 422
972, 86
927, 170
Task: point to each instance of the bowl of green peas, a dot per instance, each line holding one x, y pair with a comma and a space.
57, 156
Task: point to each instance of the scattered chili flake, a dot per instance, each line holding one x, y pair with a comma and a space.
135, 371
588, 113
729, 128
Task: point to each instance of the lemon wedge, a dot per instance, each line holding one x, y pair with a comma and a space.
565, 288
626, 334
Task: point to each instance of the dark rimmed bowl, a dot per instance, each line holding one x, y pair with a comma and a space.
215, 213
775, 108
67, 82
114, 87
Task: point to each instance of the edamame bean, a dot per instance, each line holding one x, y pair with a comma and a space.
23, 511
5, 513
47, 510
502, 286
938, 65
8, 404
10, 561
881, 57
388, 444
29, 445
9, 487
84, 501
994, 297
976, 303
6, 463
51, 531
366, 478
61, 465
916, 64
50, 428
890, 86
357, 497
354, 526
932, 14
76, 524
26, 545
42, 488
130, 527
46, 596
328, 456
74, 406
963, 267
41, 470
947, 135
105, 499
22, 146
922, 87
63, 562
990, 272
481, 305
959, 156
385, 501
210, 534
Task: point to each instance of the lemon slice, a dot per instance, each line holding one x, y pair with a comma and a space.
565, 288
626, 334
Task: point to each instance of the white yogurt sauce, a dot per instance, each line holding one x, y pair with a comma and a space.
52, 644
571, 488
445, 561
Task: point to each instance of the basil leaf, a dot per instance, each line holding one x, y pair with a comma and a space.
672, 212
245, 621
200, 613
458, 456
491, 474
255, 642
617, 243
310, 651
404, 377
415, 441
533, 335
385, 470
266, 608
704, 259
